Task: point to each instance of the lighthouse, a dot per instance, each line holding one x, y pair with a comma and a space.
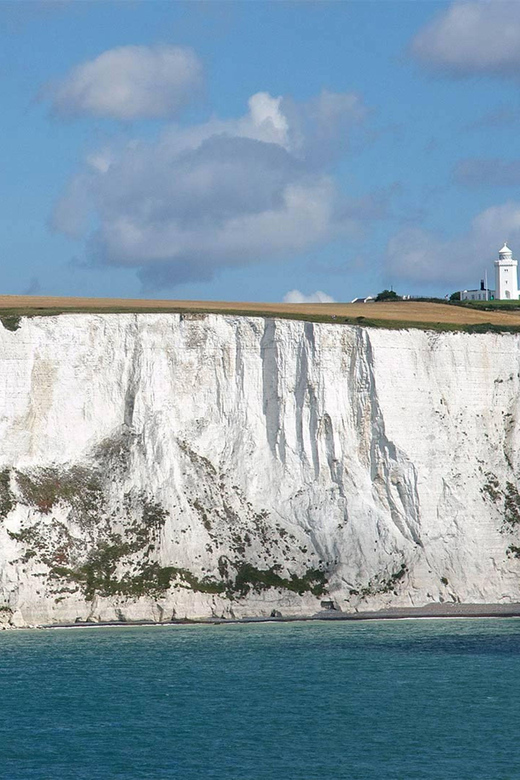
506, 275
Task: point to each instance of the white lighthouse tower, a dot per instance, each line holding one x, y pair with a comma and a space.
506, 275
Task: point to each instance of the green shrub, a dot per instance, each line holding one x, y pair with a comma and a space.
7, 500
79, 487
512, 505
10, 321
249, 577
388, 295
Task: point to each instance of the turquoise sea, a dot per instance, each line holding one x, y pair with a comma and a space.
432, 699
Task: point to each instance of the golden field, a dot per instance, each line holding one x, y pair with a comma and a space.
399, 312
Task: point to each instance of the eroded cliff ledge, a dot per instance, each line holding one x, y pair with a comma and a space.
159, 465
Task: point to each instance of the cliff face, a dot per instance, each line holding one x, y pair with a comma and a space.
167, 465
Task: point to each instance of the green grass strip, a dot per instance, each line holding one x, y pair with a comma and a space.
10, 318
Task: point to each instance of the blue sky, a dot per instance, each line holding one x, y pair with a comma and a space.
244, 150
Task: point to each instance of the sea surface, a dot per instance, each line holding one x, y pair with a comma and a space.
432, 699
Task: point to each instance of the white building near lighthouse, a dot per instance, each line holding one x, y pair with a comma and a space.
506, 275
483, 294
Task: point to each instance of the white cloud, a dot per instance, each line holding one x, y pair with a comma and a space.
265, 120
470, 38
316, 131
295, 296
418, 255
221, 193
127, 83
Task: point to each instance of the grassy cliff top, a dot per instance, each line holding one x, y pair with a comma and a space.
399, 314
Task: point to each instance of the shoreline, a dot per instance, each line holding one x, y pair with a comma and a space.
428, 611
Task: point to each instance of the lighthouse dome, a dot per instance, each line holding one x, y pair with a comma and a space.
505, 251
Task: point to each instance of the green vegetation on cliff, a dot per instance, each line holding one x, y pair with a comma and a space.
83, 537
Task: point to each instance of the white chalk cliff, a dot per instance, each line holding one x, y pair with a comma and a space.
159, 465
